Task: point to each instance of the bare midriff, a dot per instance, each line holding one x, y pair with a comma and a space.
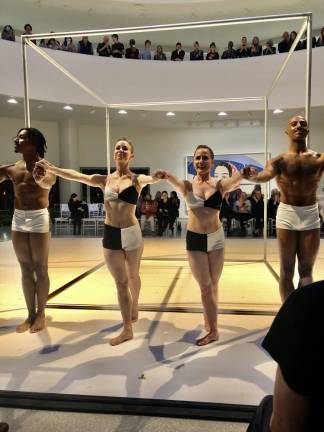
120, 214
204, 220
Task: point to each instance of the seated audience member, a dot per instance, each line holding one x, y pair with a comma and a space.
242, 209
159, 54
8, 33
132, 52
320, 40
85, 46
77, 212
273, 204
284, 45
226, 212
196, 53
212, 53
178, 54
53, 44
174, 205
257, 207
244, 50
104, 48
294, 342
256, 48
163, 213
292, 37
117, 48
68, 45
148, 212
42, 43
230, 53
269, 49
158, 196
145, 53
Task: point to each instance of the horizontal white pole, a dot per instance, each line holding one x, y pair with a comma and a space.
168, 27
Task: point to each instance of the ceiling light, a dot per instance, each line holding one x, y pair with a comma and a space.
12, 101
170, 113
222, 113
122, 112
92, 111
68, 108
277, 111
40, 106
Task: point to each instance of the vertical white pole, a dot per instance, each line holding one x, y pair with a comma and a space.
265, 212
108, 138
26, 87
308, 73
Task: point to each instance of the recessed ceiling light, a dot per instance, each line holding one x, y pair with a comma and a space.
92, 111
222, 113
68, 108
40, 106
12, 101
277, 111
170, 113
122, 112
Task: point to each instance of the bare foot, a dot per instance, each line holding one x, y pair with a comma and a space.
39, 325
24, 326
125, 335
208, 338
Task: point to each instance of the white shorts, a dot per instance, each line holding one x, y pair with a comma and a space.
298, 218
31, 221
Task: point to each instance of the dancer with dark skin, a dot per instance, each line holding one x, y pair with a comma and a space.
205, 235
297, 172
122, 243
30, 228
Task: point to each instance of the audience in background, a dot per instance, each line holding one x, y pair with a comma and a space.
256, 48
269, 49
292, 37
117, 48
163, 213
28, 30
257, 209
273, 203
178, 54
320, 40
77, 213
148, 212
85, 46
132, 52
242, 209
103, 48
284, 45
196, 53
230, 53
174, 205
68, 45
8, 33
159, 54
244, 50
212, 53
145, 53
54, 44
226, 213
42, 43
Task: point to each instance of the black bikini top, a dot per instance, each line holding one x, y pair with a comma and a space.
129, 195
214, 201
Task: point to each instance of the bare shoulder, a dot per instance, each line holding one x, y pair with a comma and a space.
187, 185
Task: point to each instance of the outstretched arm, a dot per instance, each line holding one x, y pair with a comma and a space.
4, 172
176, 182
231, 183
263, 176
95, 180
144, 180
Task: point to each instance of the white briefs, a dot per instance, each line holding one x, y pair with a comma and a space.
31, 221
298, 218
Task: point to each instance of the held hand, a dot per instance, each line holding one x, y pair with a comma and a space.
160, 174
249, 172
38, 173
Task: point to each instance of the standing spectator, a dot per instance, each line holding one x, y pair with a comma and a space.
132, 52
244, 50
54, 44
292, 37
77, 213
159, 54
284, 45
320, 40
146, 51
163, 213
174, 205
273, 203
29, 31
230, 53
148, 212
117, 48
256, 48
103, 48
269, 49
242, 208
85, 46
178, 54
8, 33
68, 45
226, 212
212, 54
196, 54
257, 206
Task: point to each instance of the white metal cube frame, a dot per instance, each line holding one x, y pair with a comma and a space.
306, 19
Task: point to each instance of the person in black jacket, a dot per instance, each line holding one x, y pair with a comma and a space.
77, 213
163, 213
173, 209
284, 45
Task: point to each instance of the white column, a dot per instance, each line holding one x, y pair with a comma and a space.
69, 157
